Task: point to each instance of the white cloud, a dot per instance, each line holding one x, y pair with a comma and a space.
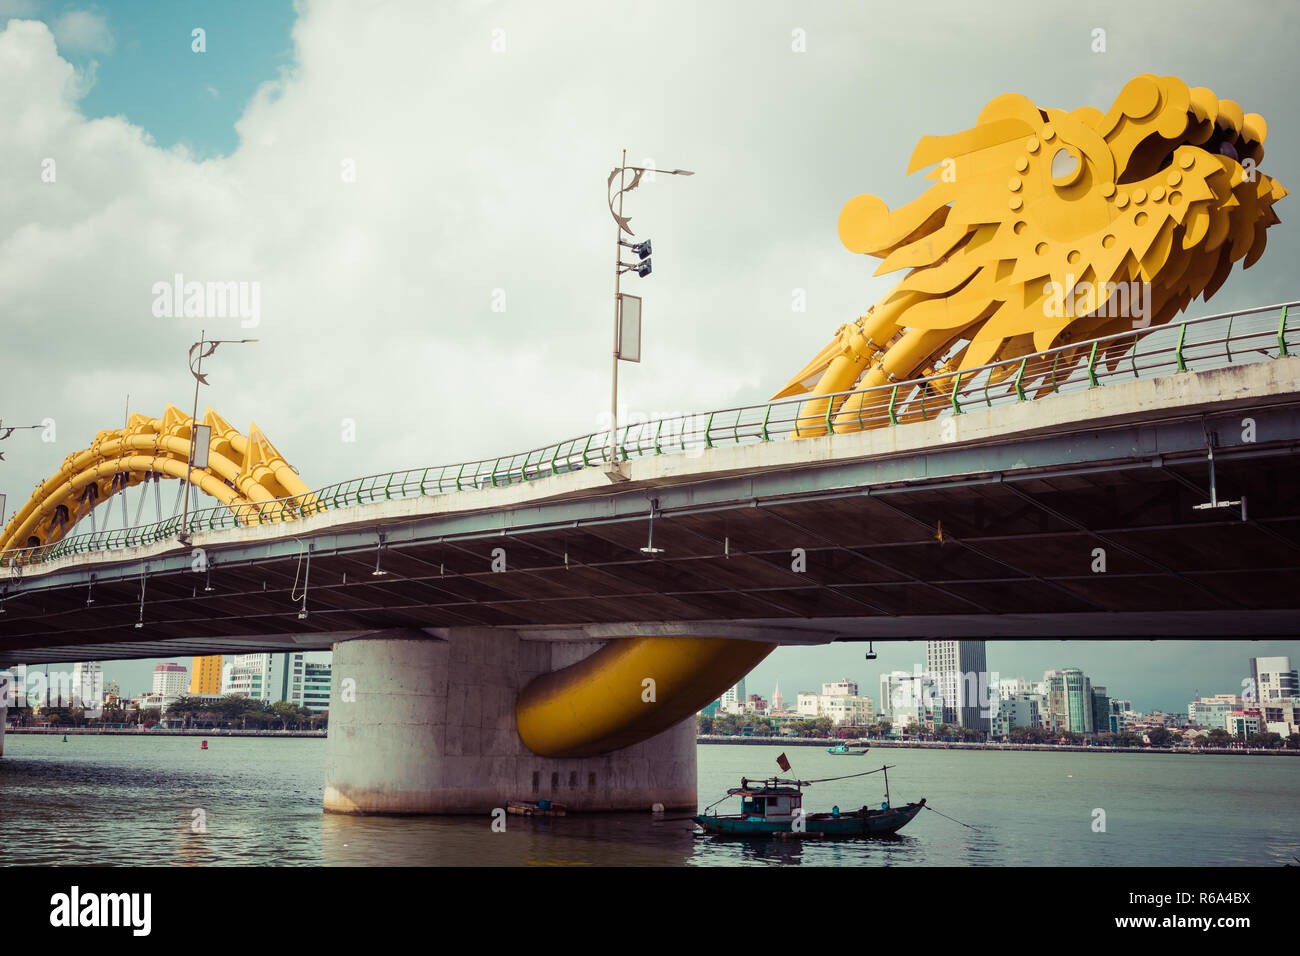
82, 31
478, 171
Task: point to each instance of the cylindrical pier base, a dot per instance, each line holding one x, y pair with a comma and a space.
420, 724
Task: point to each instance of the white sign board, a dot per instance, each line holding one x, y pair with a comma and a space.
629, 327
202, 440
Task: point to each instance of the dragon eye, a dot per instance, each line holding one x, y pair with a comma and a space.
1066, 167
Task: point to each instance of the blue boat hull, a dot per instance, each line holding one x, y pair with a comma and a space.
857, 823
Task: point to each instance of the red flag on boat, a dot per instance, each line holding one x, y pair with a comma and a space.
782, 762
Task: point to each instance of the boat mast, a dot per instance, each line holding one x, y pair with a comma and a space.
886, 770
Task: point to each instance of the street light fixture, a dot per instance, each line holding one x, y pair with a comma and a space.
624, 348
198, 352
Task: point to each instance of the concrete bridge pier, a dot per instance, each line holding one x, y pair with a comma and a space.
422, 724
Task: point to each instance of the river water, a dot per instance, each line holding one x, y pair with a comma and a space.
247, 801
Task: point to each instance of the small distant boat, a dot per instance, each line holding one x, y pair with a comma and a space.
542, 808
774, 807
846, 750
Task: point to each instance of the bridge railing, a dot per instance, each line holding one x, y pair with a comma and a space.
1215, 341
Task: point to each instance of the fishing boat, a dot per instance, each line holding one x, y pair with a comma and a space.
774, 807
846, 750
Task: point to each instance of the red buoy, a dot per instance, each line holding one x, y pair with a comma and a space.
204, 746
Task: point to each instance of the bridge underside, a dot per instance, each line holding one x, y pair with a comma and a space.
1007, 549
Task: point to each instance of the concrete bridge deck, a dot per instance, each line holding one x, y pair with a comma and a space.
985, 524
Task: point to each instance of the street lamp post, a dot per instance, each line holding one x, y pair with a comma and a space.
641, 268
198, 352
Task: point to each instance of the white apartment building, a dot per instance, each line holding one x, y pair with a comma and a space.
848, 711
1274, 678
808, 705
840, 688
170, 681
1018, 686
248, 675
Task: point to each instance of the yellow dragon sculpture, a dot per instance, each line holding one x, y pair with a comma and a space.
1046, 227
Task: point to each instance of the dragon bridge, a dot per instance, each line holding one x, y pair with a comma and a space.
1042, 227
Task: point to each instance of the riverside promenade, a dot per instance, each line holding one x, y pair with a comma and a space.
954, 745
161, 732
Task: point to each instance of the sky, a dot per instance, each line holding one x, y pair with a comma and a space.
419, 192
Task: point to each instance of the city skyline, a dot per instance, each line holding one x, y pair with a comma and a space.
1219, 667
1129, 670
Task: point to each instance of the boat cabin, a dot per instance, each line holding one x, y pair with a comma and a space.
774, 802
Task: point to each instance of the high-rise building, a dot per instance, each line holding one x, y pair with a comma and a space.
733, 699
897, 690
1273, 678
305, 683
840, 688
88, 683
1069, 701
961, 682
248, 675
205, 676
170, 680
1100, 710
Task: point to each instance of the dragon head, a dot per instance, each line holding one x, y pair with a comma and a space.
1041, 222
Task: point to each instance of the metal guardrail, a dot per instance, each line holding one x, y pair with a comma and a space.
1214, 341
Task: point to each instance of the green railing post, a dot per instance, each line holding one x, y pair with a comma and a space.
893, 398
956, 387
1178, 351
1092, 367
1020, 375
708, 429
1281, 336
830, 407
766, 412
